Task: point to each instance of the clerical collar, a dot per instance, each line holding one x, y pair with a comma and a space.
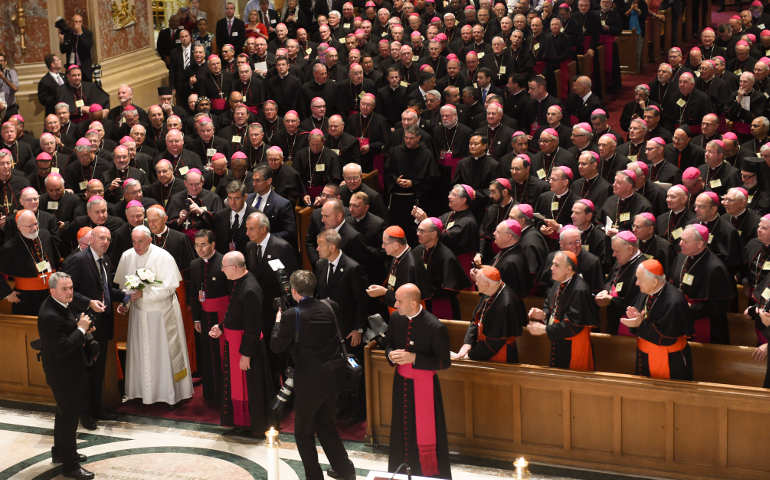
337, 228
586, 96
406, 249
559, 195
627, 197
740, 214
206, 259
658, 290
411, 317
165, 230
566, 282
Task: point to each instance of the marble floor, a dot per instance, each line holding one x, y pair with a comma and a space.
138, 448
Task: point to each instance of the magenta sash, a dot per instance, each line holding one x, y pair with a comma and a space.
702, 330
442, 308
219, 306
564, 76
742, 128
466, 261
218, 104
378, 163
449, 161
314, 191
239, 393
622, 329
424, 416
253, 109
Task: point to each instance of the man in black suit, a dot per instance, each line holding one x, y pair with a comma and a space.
266, 255
230, 223
284, 87
62, 348
309, 332
230, 29
278, 209
181, 60
90, 270
50, 83
343, 280
333, 218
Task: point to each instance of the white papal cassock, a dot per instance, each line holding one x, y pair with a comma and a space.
157, 366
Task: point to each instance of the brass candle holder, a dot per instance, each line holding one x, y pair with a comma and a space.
19, 18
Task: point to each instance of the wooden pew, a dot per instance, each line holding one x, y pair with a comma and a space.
627, 48
371, 179
598, 420
602, 68
302, 215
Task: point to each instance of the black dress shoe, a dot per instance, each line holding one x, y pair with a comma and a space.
107, 416
57, 459
80, 473
333, 473
88, 423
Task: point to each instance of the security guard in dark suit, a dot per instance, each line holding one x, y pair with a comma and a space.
308, 331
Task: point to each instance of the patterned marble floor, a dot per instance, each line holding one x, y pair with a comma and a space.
138, 448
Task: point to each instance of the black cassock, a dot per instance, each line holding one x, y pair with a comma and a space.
574, 308
762, 298
622, 286
425, 336
725, 242
406, 269
245, 300
493, 215
418, 166
659, 249
461, 232
708, 289
623, 211
207, 277
446, 276
19, 259
512, 264
497, 320
664, 323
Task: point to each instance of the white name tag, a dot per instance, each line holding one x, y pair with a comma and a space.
541, 174
481, 55
321, 167
715, 183
677, 233
276, 264
680, 103
619, 286
82, 185
766, 294
184, 170
236, 139
43, 266
554, 206
688, 279
80, 104
502, 69
54, 169
210, 152
234, 34
53, 205
450, 225
391, 281
624, 217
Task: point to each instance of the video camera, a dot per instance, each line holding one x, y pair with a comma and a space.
376, 330
285, 300
538, 220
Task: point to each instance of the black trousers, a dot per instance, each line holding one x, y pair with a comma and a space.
69, 407
209, 361
95, 381
314, 415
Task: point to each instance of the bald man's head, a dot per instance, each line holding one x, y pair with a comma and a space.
408, 298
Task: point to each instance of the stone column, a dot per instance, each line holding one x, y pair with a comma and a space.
126, 55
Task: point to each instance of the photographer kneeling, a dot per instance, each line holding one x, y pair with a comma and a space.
66, 348
310, 333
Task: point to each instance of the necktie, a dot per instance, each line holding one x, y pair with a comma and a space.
259, 253
330, 273
258, 203
229, 26
105, 286
186, 56
236, 223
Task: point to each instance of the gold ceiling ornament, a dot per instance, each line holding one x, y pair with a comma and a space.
19, 18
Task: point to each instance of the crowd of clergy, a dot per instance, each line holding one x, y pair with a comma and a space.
487, 177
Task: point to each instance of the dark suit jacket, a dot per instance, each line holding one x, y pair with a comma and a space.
88, 286
280, 212
47, 92
237, 35
277, 248
346, 286
61, 347
224, 233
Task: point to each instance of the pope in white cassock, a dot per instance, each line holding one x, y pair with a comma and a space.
157, 366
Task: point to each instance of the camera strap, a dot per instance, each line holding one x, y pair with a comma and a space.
340, 338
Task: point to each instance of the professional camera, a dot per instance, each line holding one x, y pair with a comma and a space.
285, 301
538, 219
61, 25
376, 331
283, 395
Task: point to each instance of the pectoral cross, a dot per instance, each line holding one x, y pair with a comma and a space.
7, 205
44, 276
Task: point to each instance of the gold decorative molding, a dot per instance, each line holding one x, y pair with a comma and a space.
19, 18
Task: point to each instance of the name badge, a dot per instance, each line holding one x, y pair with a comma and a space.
321, 167
536, 46
403, 83
53, 205
751, 198
201, 296
688, 279
541, 174
585, 247
80, 103
632, 158
234, 34
415, 58
336, 151
82, 185
384, 34
619, 286
759, 155
677, 233
346, 25
235, 139
715, 183
681, 102
738, 72
761, 26
604, 23
210, 152
342, 40
450, 225
554, 206
502, 70
481, 55
711, 237
647, 256
54, 169
184, 170
697, 73
42, 266
766, 294
308, 51
361, 95
624, 217
391, 281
